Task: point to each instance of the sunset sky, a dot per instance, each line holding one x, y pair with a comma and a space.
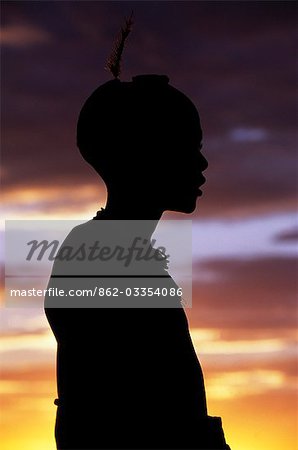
236, 61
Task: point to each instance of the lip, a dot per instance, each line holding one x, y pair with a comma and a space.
199, 191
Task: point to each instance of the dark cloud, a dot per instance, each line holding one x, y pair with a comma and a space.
248, 176
234, 59
287, 236
249, 294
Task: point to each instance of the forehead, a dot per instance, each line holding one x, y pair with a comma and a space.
187, 128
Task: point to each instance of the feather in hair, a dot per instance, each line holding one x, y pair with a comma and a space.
114, 61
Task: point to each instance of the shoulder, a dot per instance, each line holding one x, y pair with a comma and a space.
73, 247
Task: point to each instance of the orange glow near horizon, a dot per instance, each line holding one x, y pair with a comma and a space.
245, 399
43, 202
33, 412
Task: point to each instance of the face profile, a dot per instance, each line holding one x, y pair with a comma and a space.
144, 139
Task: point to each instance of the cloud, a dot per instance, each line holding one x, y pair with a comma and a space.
259, 293
243, 383
19, 35
287, 236
58, 201
229, 238
246, 134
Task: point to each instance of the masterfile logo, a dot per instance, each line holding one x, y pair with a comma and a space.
124, 259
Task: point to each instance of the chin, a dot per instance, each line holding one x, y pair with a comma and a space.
188, 210
186, 207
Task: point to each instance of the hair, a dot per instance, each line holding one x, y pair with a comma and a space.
123, 122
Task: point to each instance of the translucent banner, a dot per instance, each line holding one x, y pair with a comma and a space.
98, 264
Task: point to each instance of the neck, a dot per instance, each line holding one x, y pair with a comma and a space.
129, 207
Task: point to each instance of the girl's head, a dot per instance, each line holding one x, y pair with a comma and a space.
144, 136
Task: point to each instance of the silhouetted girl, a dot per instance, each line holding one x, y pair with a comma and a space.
129, 378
